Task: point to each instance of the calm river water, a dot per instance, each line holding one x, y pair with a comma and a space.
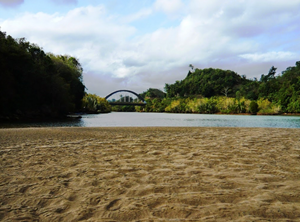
168, 119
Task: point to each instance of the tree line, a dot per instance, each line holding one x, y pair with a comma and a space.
224, 91
35, 84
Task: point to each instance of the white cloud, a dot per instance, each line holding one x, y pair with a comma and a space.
271, 56
169, 7
143, 13
86, 32
211, 33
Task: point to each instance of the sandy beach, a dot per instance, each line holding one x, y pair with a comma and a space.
150, 174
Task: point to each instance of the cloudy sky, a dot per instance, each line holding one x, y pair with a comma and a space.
138, 44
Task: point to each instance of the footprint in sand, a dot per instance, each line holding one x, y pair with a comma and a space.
114, 205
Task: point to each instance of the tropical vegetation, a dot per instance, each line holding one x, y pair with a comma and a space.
224, 91
34, 84
91, 103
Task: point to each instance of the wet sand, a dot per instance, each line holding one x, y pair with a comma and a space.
149, 174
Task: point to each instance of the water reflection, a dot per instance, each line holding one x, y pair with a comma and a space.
167, 119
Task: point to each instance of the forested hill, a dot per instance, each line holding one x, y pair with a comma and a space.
207, 82
34, 84
280, 89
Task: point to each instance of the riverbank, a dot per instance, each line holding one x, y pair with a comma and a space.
144, 174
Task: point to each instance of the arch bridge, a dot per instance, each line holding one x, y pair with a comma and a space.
126, 100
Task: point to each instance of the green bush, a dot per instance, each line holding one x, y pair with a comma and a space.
253, 107
209, 107
294, 107
95, 104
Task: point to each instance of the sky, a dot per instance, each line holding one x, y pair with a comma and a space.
141, 44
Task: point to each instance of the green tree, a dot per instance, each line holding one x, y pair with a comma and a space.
95, 104
206, 82
32, 84
253, 107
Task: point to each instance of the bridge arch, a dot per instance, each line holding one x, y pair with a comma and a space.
125, 90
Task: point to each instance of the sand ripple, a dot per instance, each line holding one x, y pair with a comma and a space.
149, 174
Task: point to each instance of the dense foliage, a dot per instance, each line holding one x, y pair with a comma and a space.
224, 91
208, 88
206, 82
152, 93
218, 104
37, 85
94, 104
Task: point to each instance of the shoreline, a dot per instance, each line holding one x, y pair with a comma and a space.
78, 116
149, 174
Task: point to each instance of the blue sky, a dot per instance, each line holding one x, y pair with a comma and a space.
138, 44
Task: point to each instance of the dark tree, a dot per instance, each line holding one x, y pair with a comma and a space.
34, 84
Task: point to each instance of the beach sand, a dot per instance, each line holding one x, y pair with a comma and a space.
149, 174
